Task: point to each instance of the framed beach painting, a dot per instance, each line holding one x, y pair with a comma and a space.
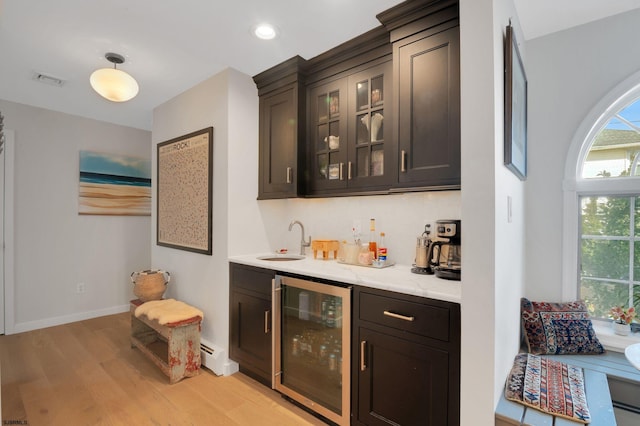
112, 184
515, 108
185, 178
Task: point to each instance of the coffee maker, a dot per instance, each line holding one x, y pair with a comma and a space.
445, 253
423, 248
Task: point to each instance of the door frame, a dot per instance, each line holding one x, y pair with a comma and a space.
7, 309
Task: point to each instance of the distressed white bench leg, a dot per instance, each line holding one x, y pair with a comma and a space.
174, 348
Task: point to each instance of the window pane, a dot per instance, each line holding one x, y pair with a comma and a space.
631, 114
636, 262
614, 151
605, 259
637, 216
334, 103
606, 216
601, 296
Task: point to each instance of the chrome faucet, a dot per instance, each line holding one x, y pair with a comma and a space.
303, 243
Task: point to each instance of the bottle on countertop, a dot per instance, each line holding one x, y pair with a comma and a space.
382, 248
373, 246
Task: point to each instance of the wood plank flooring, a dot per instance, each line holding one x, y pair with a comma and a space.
86, 373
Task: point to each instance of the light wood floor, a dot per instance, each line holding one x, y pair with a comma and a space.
86, 373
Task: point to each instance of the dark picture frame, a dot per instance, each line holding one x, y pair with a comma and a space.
515, 108
185, 179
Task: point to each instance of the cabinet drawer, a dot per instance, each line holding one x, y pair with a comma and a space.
251, 278
417, 318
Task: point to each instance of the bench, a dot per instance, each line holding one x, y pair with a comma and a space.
173, 347
609, 379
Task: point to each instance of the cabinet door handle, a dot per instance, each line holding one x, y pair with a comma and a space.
341, 169
403, 161
398, 316
349, 170
288, 174
363, 346
266, 321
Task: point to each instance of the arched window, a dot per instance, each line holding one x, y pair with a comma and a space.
602, 204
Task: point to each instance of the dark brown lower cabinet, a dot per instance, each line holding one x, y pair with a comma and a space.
250, 320
406, 360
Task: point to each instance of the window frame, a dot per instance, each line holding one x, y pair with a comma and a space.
575, 186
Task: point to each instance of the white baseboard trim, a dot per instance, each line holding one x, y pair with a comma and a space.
65, 319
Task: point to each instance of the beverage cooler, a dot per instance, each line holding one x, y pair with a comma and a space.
312, 324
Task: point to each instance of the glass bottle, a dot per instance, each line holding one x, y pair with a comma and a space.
382, 248
373, 246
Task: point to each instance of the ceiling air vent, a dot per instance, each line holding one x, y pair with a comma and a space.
47, 79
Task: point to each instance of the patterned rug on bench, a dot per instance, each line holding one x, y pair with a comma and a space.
549, 386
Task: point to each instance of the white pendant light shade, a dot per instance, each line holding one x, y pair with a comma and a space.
114, 84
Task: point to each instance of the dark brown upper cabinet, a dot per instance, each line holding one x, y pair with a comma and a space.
282, 130
351, 149
426, 61
377, 114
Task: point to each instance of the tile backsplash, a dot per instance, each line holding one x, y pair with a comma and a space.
401, 217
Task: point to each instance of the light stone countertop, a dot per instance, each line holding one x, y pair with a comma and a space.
398, 278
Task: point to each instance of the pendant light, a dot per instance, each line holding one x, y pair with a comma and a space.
114, 84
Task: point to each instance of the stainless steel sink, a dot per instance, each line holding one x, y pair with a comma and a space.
280, 257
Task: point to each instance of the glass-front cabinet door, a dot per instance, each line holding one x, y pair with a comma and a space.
328, 136
312, 341
350, 147
370, 108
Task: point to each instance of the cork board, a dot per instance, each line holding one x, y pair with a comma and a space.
185, 178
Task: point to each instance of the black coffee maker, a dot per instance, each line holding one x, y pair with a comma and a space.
445, 253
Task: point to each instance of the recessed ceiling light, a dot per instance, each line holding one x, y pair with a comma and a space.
265, 31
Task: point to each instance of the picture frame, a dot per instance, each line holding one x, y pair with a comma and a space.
184, 204
515, 108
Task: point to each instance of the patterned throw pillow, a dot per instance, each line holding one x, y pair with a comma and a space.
549, 386
558, 328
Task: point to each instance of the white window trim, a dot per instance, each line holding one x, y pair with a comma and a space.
575, 186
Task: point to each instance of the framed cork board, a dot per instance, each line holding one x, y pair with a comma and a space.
185, 179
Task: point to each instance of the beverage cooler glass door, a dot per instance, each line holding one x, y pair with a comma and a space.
312, 325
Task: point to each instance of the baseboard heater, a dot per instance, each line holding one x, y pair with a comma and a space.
626, 407
212, 357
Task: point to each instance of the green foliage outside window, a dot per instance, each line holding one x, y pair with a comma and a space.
606, 277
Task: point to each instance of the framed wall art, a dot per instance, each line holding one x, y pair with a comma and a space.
112, 184
515, 108
185, 179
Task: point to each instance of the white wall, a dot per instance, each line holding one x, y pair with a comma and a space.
228, 102
493, 248
569, 72
55, 248
242, 225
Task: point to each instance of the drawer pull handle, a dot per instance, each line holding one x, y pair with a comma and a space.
289, 175
403, 161
363, 345
398, 316
266, 321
